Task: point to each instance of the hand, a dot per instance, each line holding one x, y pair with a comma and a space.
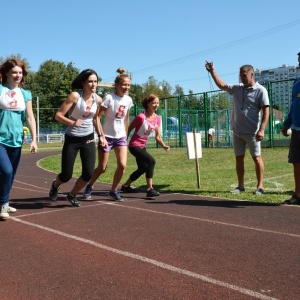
102, 143
33, 148
167, 148
209, 66
284, 131
78, 123
259, 135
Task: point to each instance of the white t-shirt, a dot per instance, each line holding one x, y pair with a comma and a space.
116, 110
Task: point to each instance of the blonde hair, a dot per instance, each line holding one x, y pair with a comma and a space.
122, 75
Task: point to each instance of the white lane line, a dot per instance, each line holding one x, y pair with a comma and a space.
213, 221
103, 202
152, 261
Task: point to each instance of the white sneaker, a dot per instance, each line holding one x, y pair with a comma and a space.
4, 212
11, 209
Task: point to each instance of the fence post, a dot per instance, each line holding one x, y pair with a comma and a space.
179, 121
205, 100
271, 131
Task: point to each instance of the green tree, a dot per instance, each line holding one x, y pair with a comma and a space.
220, 101
52, 83
178, 90
18, 57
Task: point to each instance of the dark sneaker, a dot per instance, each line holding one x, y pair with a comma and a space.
127, 189
115, 196
259, 191
237, 190
73, 200
294, 200
87, 192
152, 193
53, 191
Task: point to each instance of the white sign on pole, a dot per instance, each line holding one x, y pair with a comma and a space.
190, 143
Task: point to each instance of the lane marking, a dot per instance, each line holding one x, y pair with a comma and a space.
165, 213
152, 262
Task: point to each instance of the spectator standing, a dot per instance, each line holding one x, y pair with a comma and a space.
292, 121
249, 99
211, 136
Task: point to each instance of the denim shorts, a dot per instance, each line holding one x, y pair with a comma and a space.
112, 142
241, 140
294, 153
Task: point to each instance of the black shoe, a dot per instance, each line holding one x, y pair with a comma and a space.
53, 191
73, 200
127, 189
294, 200
152, 193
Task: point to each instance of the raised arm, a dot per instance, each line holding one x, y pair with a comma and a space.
218, 81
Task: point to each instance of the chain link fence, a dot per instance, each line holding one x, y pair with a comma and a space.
199, 112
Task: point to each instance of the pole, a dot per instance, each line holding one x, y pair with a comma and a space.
196, 158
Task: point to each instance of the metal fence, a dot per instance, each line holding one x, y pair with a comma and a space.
200, 111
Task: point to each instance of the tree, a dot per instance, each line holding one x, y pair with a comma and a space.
178, 90
18, 57
52, 83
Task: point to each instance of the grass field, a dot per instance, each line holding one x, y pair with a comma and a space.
174, 172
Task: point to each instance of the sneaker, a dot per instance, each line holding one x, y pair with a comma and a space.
237, 190
4, 212
87, 192
53, 191
127, 189
11, 209
115, 196
152, 193
73, 200
259, 191
294, 200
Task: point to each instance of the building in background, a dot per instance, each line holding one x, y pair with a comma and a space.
282, 81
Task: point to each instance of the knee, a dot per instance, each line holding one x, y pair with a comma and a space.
152, 161
64, 177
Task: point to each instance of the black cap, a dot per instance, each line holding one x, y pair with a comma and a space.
298, 53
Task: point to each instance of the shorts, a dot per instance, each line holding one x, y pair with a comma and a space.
294, 152
241, 140
112, 142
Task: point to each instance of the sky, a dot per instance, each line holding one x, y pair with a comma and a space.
167, 39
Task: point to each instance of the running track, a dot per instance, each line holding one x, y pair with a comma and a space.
174, 247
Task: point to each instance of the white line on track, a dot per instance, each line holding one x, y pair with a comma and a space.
152, 262
164, 213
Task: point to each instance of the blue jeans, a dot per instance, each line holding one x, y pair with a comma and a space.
9, 161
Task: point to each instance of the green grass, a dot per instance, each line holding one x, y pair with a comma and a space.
174, 172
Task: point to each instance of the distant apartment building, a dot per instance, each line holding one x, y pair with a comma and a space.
282, 81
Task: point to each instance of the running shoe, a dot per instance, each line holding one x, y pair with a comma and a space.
53, 191
152, 193
259, 191
73, 200
294, 200
115, 196
237, 190
4, 212
11, 209
127, 189
87, 192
